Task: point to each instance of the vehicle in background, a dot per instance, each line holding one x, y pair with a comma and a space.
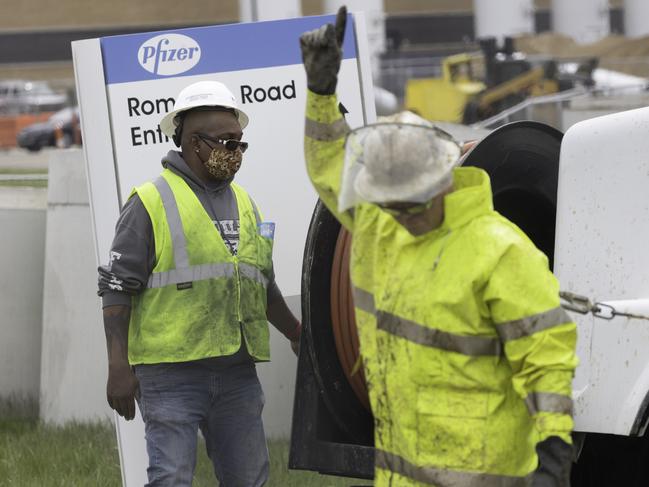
477, 86
60, 130
24, 96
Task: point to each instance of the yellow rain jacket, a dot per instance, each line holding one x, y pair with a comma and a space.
468, 355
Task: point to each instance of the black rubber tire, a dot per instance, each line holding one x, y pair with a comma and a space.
611, 460
345, 409
522, 160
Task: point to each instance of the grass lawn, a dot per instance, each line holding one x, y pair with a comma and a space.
33, 183
38, 183
33, 454
24, 170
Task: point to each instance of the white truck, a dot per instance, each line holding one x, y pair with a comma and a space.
601, 253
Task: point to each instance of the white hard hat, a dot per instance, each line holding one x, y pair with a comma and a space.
403, 159
201, 94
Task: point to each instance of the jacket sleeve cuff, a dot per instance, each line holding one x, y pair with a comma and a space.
322, 108
113, 298
553, 424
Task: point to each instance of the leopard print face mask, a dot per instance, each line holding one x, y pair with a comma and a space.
223, 163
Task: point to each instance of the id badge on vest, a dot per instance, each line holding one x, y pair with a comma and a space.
267, 230
266, 237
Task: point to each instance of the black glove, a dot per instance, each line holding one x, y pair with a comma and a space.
555, 461
322, 53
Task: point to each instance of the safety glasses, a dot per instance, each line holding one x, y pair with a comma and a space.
229, 144
407, 210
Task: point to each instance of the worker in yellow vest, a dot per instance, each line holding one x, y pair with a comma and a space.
468, 355
187, 296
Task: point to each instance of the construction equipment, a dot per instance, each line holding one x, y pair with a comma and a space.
445, 98
534, 82
476, 86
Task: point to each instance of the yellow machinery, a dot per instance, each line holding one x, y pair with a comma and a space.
458, 96
444, 98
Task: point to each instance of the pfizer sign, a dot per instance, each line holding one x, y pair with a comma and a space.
169, 54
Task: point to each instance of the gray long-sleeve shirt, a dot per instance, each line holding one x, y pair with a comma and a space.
132, 254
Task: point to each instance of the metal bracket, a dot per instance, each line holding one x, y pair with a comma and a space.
605, 310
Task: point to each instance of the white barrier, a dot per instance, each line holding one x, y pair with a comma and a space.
73, 360
22, 219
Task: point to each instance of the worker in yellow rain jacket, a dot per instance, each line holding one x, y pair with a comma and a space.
468, 355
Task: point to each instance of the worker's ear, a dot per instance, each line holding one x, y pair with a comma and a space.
467, 146
194, 144
176, 139
178, 133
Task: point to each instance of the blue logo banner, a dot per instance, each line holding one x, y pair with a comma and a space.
214, 49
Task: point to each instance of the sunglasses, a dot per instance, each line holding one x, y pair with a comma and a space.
408, 210
229, 144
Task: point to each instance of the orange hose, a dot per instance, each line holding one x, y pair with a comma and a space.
343, 320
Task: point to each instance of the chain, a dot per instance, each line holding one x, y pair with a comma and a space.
583, 305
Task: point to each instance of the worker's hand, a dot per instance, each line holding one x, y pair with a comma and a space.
121, 390
295, 339
295, 346
555, 462
322, 54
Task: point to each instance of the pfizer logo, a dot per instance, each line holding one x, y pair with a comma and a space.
169, 54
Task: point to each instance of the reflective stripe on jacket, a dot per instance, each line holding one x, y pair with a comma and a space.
200, 297
468, 356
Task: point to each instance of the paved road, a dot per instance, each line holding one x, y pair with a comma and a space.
23, 198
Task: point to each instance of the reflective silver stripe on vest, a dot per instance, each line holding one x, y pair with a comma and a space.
442, 477
255, 209
251, 272
325, 132
191, 274
364, 300
548, 402
181, 259
431, 337
512, 330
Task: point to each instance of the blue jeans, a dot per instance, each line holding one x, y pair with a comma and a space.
226, 404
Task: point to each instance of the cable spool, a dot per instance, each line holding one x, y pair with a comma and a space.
330, 331
343, 320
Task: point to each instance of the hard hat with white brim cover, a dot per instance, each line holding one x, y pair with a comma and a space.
201, 94
403, 158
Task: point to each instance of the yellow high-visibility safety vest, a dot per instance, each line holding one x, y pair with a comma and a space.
200, 298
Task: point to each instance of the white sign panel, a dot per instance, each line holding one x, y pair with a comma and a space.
126, 84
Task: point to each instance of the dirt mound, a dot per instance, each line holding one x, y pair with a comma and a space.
614, 52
